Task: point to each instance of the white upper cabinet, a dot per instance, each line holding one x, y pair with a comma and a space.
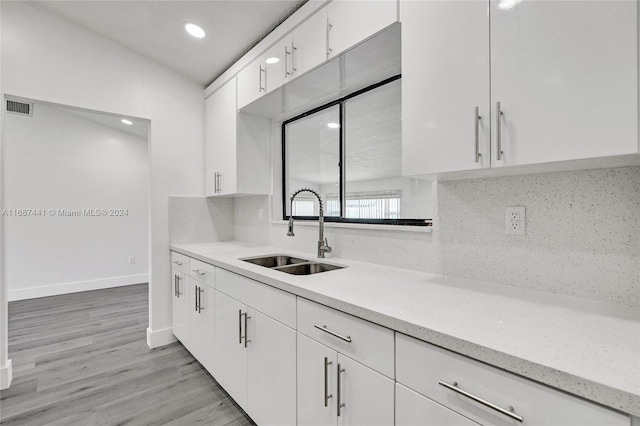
252, 81
220, 135
445, 83
350, 22
309, 43
237, 147
278, 63
566, 76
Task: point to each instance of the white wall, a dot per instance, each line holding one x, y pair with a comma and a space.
48, 58
59, 161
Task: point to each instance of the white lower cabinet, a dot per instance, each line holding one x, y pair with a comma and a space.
333, 389
230, 353
464, 385
255, 355
202, 322
414, 409
271, 361
180, 306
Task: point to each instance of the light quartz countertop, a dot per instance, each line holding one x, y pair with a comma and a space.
586, 348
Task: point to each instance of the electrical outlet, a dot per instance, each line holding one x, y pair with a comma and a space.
515, 220
132, 260
260, 215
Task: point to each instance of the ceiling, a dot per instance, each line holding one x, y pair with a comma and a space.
155, 28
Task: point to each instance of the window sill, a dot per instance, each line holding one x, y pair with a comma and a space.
366, 226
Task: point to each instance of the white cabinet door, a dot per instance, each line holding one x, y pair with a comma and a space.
207, 334
317, 367
445, 77
367, 395
252, 82
271, 371
180, 307
221, 130
351, 22
196, 346
310, 43
230, 352
565, 74
202, 323
414, 409
278, 63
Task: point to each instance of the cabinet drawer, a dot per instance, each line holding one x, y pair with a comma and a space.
414, 409
180, 262
368, 343
275, 303
202, 272
422, 367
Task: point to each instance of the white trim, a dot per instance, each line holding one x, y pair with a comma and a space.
158, 338
75, 287
6, 375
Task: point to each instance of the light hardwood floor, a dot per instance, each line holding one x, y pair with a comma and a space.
82, 359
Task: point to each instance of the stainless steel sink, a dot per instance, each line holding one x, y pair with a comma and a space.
308, 268
274, 261
291, 265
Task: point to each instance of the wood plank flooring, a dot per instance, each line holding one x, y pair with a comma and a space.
82, 359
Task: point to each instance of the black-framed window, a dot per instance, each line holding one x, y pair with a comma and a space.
350, 152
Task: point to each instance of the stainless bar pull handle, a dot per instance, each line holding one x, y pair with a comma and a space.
262, 70
499, 115
179, 278
286, 62
339, 403
199, 272
196, 297
175, 285
477, 119
219, 182
329, 49
200, 291
239, 326
246, 329
293, 59
454, 387
177, 263
215, 183
333, 333
327, 363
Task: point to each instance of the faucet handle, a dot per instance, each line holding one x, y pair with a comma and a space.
326, 247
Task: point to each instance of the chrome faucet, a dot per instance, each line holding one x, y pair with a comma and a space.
323, 245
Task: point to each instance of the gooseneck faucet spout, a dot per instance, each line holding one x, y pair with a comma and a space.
323, 245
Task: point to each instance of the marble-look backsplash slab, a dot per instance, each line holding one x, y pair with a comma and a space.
582, 232
200, 219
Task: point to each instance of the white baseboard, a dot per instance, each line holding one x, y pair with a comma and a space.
158, 338
6, 375
75, 287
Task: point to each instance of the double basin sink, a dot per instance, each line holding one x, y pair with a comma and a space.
292, 265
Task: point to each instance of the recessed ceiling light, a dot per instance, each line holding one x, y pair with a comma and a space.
333, 125
195, 30
272, 60
127, 122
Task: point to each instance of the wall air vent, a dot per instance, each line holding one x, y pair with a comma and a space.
19, 108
